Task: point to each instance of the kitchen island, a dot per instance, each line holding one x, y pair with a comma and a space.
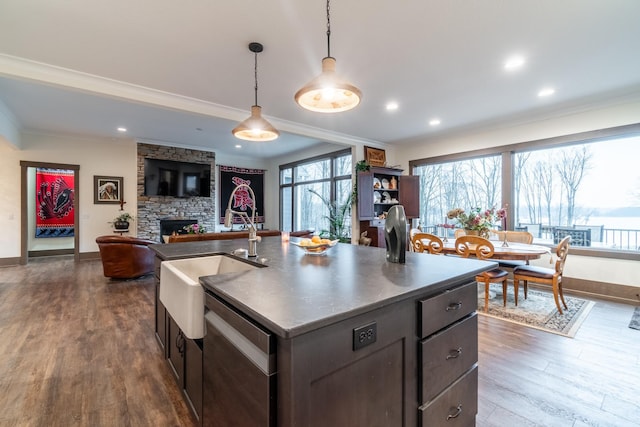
344, 338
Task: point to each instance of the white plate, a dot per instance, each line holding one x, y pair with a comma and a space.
385, 183
376, 183
377, 197
387, 197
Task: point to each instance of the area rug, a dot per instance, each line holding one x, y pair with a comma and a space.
538, 311
635, 319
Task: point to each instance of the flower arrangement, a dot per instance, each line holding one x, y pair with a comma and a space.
194, 229
477, 219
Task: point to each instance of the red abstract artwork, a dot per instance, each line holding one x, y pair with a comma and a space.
54, 203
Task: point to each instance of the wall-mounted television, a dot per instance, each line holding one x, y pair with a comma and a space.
177, 179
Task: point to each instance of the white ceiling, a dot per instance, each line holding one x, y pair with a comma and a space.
181, 73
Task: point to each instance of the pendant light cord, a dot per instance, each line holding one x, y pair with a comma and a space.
255, 75
328, 32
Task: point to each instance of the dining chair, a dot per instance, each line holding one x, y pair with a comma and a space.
413, 232
431, 243
547, 276
513, 236
458, 232
483, 249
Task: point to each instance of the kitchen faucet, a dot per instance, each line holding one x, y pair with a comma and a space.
249, 222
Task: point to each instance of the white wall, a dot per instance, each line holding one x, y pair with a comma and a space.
112, 157
624, 272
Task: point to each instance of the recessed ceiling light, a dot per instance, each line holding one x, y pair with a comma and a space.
392, 106
434, 122
238, 146
546, 92
514, 62
121, 129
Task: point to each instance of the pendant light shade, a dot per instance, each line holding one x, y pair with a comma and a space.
256, 127
328, 93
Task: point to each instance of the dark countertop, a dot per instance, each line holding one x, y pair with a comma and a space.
297, 293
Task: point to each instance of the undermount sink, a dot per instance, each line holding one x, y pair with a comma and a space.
182, 294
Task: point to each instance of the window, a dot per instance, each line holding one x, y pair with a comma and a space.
311, 190
459, 184
585, 185
589, 191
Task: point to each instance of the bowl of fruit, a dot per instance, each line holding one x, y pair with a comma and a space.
315, 246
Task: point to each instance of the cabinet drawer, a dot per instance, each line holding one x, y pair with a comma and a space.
456, 407
442, 310
447, 355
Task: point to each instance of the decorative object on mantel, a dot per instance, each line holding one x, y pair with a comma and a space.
194, 229
256, 127
538, 311
328, 93
477, 221
635, 319
121, 222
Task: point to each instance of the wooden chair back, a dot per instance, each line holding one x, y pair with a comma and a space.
514, 236
431, 243
562, 250
474, 245
458, 232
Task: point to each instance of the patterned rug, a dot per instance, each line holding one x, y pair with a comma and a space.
538, 311
635, 319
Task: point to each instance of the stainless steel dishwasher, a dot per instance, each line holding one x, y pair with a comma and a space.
239, 369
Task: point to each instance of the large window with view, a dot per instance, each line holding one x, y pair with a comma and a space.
463, 184
316, 194
585, 185
590, 191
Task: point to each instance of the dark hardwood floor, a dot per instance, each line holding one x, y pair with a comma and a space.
77, 349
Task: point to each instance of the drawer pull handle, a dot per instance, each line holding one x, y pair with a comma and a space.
454, 354
458, 412
454, 306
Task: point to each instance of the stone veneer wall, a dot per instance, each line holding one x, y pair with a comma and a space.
151, 209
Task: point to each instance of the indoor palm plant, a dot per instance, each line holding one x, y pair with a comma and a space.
339, 218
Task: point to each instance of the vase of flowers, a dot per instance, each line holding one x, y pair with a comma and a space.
477, 221
194, 229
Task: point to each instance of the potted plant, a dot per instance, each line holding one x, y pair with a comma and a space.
339, 215
121, 222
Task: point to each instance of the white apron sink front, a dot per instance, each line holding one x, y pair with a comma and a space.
182, 294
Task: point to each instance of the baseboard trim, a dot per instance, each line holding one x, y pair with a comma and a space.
52, 252
9, 262
89, 256
608, 291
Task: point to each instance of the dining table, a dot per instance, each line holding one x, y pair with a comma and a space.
511, 251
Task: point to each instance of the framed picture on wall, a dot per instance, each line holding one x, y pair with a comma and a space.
375, 156
107, 189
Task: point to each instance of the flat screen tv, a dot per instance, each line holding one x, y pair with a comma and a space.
177, 179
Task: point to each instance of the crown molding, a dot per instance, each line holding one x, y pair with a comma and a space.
25, 69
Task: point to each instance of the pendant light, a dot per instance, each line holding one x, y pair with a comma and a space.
255, 128
327, 93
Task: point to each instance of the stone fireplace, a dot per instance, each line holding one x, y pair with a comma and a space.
154, 209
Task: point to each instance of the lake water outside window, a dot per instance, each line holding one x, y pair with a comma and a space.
592, 187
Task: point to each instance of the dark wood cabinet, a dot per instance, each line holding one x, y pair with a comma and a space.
378, 190
183, 355
407, 375
160, 312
